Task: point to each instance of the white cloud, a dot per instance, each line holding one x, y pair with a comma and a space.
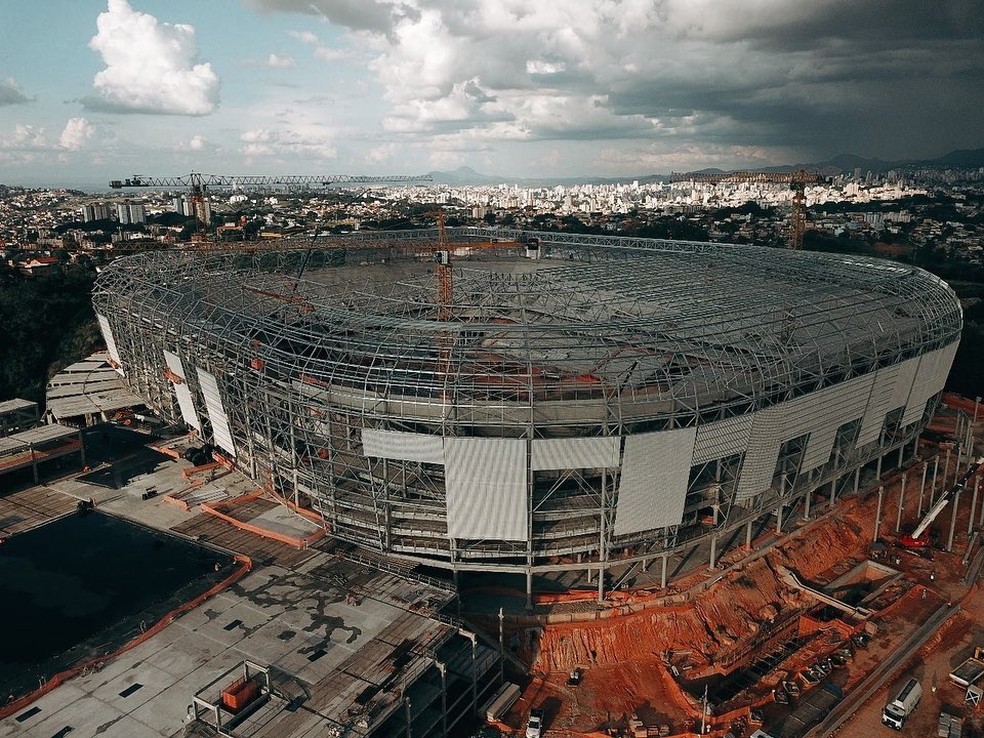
196, 143
24, 137
77, 132
327, 53
151, 67
280, 62
284, 144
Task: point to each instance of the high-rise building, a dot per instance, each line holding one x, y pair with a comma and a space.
131, 212
94, 211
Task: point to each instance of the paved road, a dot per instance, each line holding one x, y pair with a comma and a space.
876, 679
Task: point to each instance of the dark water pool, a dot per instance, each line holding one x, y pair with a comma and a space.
81, 586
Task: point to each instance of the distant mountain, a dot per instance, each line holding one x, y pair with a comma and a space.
464, 176
962, 158
840, 164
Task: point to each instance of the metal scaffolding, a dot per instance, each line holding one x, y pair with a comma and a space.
403, 419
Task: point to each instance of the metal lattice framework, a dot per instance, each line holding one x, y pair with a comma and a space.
562, 337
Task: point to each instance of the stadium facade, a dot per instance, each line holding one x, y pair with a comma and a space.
582, 400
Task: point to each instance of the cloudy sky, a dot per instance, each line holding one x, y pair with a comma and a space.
99, 89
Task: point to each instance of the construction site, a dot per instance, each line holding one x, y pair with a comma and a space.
663, 488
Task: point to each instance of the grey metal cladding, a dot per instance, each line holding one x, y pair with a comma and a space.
574, 453
216, 412
387, 444
722, 438
652, 488
485, 482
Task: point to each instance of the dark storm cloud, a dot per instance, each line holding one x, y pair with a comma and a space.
889, 78
11, 93
358, 15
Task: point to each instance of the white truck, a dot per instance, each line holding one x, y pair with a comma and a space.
895, 712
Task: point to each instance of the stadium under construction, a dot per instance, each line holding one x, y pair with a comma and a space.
533, 402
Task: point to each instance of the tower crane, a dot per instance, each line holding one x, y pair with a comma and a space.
445, 277
199, 183
797, 182
919, 539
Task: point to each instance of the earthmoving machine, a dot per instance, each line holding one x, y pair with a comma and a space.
919, 539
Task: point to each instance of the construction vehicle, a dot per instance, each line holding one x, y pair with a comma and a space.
895, 713
919, 539
797, 182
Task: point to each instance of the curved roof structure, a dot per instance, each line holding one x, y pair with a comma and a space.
666, 329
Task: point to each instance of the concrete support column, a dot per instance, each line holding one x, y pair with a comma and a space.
857, 478
474, 670
34, 464
878, 467
529, 588
662, 578
444, 695
645, 564
953, 521
833, 492
901, 455
922, 487
973, 507
946, 470
898, 518
806, 504
956, 474
977, 404
713, 560
881, 495
779, 520
980, 523
936, 468
601, 583
748, 535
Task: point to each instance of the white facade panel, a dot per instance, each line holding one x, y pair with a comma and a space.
879, 404
818, 414
107, 334
387, 444
652, 489
486, 486
903, 383
762, 453
930, 378
185, 402
574, 453
216, 412
722, 438
826, 411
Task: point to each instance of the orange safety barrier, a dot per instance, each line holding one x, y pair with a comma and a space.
245, 566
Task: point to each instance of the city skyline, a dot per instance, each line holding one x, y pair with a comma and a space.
96, 90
